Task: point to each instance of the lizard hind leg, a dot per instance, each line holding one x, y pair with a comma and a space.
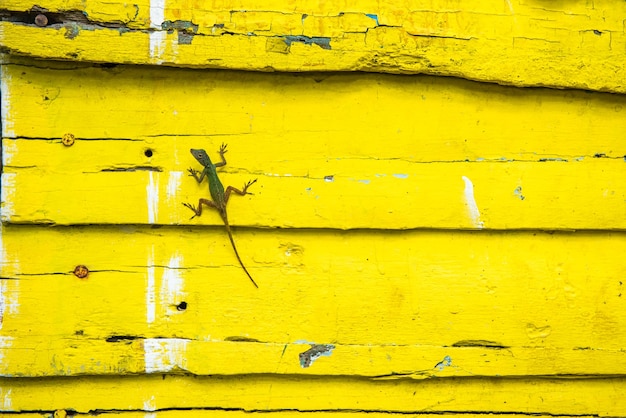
197, 210
231, 189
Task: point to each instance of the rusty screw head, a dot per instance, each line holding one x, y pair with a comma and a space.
41, 20
68, 139
81, 271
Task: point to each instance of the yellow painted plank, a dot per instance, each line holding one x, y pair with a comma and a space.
412, 303
124, 355
61, 413
576, 195
289, 396
427, 116
514, 42
420, 153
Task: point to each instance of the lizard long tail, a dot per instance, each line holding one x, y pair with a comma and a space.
232, 241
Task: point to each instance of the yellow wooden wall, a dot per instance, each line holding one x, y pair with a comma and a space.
437, 227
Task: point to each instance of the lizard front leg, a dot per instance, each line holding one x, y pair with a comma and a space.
222, 151
198, 175
231, 189
198, 210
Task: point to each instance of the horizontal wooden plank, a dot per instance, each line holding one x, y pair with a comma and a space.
131, 355
421, 152
288, 396
281, 414
426, 118
352, 194
515, 42
413, 303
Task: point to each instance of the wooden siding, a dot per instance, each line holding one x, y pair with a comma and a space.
577, 44
423, 245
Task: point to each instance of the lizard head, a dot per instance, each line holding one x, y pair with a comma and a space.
201, 156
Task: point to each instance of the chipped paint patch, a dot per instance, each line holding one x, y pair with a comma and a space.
518, 192
446, 362
316, 351
534, 332
400, 176
152, 197
164, 354
374, 17
470, 202
322, 42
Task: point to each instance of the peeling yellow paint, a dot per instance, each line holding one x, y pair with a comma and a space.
388, 302
341, 397
421, 152
568, 45
423, 245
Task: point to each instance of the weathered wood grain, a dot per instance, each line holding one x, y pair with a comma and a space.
198, 412
494, 304
425, 118
378, 293
420, 152
176, 396
340, 195
563, 45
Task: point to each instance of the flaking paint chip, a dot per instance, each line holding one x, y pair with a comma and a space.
316, 351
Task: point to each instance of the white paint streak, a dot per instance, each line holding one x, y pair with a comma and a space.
152, 196
2, 301
150, 290
470, 201
157, 46
7, 402
157, 35
6, 118
173, 183
9, 149
7, 192
150, 405
8, 299
9, 291
157, 13
508, 3
172, 284
164, 354
5, 343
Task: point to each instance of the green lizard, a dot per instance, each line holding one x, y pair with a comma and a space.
219, 196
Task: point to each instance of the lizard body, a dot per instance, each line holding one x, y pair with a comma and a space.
219, 196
